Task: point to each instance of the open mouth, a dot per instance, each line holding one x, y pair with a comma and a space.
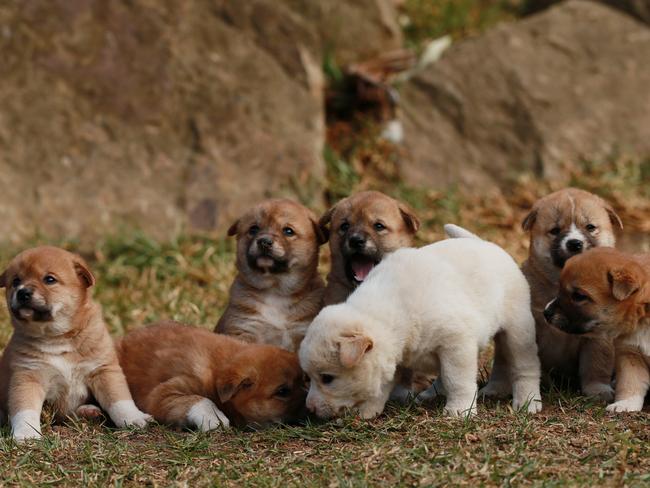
359, 267
32, 313
267, 264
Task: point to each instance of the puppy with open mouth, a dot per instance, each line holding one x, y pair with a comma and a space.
364, 228
60, 352
561, 225
425, 310
277, 291
605, 294
190, 377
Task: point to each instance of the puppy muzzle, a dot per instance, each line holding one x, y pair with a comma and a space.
26, 305
266, 255
361, 255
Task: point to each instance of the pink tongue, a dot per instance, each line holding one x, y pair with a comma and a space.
361, 269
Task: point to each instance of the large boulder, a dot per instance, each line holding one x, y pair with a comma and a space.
158, 115
637, 8
571, 82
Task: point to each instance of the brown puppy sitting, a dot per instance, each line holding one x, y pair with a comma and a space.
191, 377
561, 225
60, 351
605, 293
364, 228
277, 291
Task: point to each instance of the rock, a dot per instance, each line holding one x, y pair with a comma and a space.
637, 8
571, 82
162, 116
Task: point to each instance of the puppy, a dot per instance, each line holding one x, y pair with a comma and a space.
561, 225
424, 309
191, 377
605, 294
277, 291
60, 351
363, 229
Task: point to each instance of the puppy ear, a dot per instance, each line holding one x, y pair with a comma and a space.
232, 384
322, 233
624, 283
84, 273
232, 230
613, 216
352, 349
529, 220
326, 218
411, 220
3, 279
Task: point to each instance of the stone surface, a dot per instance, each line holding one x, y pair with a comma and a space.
570, 82
160, 115
637, 8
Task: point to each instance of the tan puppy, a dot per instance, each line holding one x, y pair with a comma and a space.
364, 228
60, 351
277, 291
561, 225
191, 377
605, 294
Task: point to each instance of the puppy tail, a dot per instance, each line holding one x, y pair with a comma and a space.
455, 231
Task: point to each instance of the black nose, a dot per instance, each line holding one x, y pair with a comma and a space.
265, 242
24, 295
357, 241
574, 245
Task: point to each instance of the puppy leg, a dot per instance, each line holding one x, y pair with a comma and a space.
499, 385
596, 368
525, 369
89, 412
109, 387
632, 381
458, 370
26, 397
171, 403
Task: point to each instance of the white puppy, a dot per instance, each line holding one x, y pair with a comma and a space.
425, 309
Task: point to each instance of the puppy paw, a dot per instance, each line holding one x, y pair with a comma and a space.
460, 411
534, 405
602, 391
89, 412
371, 411
124, 413
206, 416
633, 404
26, 425
495, 389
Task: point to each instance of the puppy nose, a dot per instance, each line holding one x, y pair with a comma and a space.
265, 242
574, 245
357, 241
24, 295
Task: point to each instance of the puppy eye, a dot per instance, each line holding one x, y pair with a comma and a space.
578, 297
379, 226
49, 280
288, 231
344, 226
326, 379
254, 229
591, 227
15, 282
554, 231
283, 392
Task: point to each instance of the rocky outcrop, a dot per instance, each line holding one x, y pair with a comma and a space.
161, 115
637, 8
571, 82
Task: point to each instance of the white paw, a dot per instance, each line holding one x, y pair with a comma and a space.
26, 425
602, 391
206, 416
125, 414
370, 410
534, 405
633, 404
495, 389
460, 410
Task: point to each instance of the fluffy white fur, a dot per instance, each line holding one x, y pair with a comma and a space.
425, 309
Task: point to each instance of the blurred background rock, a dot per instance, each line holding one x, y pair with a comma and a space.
169, 116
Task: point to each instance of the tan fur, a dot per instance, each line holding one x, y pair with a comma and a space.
275, 307
361, 212
605, 293
590, 359
60, 351
171, 367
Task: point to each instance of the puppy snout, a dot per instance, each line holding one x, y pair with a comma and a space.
574, 245
311, 405
357, 241
24, 296
265, 243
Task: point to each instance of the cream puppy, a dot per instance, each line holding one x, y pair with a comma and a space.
428, 309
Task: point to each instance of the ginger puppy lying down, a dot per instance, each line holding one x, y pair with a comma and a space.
60, 351
425, 309
190, 377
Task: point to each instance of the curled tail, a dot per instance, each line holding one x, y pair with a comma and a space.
455, 231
